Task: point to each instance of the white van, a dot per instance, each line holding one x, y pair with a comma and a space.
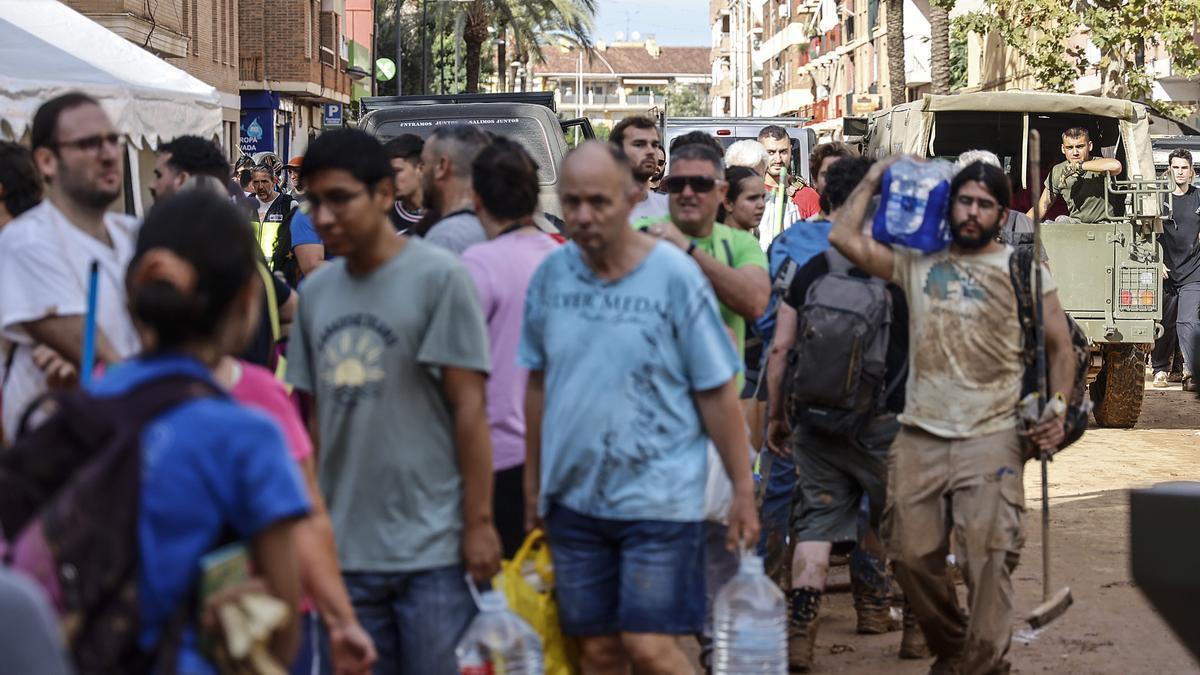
727, 130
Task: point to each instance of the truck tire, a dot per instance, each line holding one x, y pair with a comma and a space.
1119, 387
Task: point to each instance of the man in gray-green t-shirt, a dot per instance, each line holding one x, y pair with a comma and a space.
391, 342
1080, 179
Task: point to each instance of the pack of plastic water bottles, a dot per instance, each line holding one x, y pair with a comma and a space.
913, 206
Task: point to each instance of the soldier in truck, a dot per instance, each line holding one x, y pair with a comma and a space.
1079, 180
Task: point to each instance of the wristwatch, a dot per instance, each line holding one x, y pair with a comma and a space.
691, 249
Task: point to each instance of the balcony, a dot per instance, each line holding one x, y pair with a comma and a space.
605, 101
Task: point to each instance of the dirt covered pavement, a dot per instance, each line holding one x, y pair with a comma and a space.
1111, 628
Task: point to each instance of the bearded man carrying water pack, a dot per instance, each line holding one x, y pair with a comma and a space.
959, 459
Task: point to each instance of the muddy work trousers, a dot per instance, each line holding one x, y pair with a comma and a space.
971, 487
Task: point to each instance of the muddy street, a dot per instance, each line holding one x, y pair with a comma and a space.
1111, 628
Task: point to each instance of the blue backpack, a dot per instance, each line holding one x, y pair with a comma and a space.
800, 243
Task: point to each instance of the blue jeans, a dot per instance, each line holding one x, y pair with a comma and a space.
777, 491
313, 656
631, 576
415, 618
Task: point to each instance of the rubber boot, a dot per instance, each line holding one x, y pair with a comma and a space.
871, 587
912, 642
804, 604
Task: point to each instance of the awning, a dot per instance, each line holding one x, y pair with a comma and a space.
47, 49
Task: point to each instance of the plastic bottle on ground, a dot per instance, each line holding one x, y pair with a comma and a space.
498, 642
750, 624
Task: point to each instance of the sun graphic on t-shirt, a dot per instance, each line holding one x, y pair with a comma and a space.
353, 359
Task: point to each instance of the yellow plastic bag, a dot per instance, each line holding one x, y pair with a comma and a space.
527, 582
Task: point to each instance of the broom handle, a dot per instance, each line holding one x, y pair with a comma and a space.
1035, 168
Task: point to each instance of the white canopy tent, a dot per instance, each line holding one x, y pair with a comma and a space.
47, 48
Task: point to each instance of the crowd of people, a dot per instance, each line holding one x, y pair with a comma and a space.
408, 371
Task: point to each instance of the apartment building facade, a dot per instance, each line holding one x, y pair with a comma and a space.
736, 32
292, 70
621, 78
826, 59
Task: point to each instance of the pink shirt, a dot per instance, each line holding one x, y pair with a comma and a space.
501, 269
258, 388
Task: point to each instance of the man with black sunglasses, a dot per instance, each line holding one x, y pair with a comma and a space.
45, 254
730, 258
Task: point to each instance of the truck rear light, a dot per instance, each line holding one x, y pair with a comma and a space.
1137, 289
724, 132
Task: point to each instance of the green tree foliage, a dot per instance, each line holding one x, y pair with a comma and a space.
684, 101
527, 21
958, 60
1126, 33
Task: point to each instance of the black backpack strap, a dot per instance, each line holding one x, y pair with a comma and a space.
728, 253
1020, 269
146, 401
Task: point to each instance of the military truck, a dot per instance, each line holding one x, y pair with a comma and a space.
1109, 274
526, 117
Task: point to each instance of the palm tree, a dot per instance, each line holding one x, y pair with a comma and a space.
939, 47
897, 82
527, 21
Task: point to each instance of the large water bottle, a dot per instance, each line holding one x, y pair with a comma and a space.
750, 624
914, 201
498, 642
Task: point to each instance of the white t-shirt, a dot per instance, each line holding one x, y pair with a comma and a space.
965, 341
44, 262
653, 207
263, 207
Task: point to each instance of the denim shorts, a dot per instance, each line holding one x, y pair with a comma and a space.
614, 576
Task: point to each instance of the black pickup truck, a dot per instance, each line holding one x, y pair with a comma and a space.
527, 117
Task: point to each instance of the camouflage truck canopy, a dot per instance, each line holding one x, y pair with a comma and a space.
945, 126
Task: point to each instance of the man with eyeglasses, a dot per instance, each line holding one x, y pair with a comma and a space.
391, 342
46, 254
959, 458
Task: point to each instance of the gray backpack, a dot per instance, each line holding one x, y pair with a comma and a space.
835, 372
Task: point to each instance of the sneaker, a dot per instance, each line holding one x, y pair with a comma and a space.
1189, 383
1161, 380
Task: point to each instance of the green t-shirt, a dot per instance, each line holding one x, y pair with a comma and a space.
1084, 193
737, 249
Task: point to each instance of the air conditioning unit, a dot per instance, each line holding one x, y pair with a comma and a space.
785, 10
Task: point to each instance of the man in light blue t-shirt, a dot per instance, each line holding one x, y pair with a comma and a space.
630, 365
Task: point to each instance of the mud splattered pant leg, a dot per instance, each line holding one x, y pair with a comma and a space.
973, 485
776, 494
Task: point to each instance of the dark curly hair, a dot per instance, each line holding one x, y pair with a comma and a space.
992, 177
840, 180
